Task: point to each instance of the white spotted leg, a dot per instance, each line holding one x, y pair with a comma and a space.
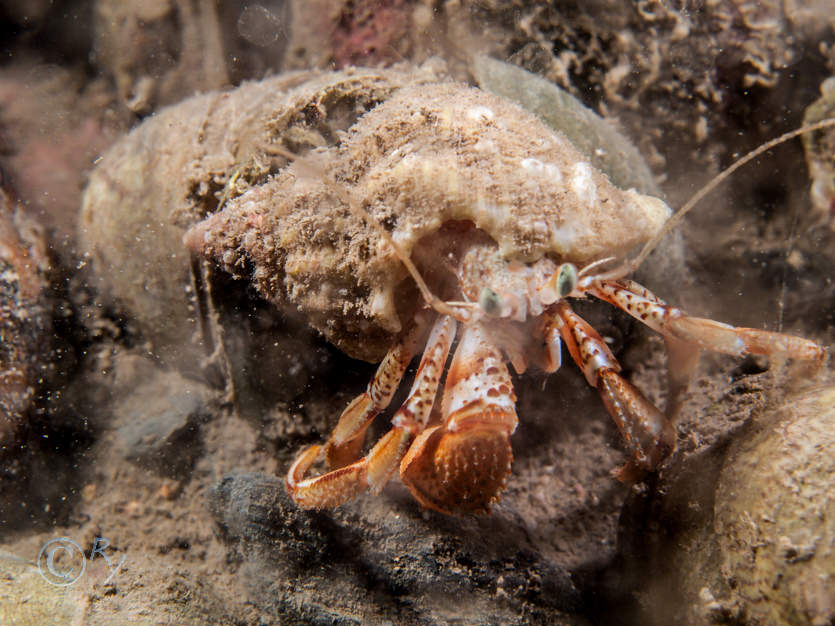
374, 469
685, 336
345, 443
649, 436
674, 323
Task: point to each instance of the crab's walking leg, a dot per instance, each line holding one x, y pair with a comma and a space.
553, 345
670, 321
460, 465
374, 469
649, 436
347, 438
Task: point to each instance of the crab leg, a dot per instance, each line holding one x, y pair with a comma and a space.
670, 321
649, 436
374, 470
553, 345
460, 465
347, 438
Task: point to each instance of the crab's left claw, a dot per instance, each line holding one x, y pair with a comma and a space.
461, 471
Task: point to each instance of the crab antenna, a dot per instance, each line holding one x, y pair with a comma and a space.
630, 266
305, 164
594, 264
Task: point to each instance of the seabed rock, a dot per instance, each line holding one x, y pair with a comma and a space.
367, 563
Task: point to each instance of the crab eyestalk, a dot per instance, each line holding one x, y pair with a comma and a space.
560, 285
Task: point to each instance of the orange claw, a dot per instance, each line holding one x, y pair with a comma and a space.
374, 470
340, 485
460, 466
459, 472
323, 491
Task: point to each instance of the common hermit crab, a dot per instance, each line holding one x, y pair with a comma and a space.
449, 212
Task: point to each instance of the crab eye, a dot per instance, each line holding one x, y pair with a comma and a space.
566, 279
490, 302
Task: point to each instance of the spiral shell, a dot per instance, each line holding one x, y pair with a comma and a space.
430, 155
415, 150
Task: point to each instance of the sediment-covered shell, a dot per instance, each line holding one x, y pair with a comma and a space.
429, 155
413, 150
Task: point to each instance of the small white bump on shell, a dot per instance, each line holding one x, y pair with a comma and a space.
563, 237
536, 166
480, 113
582, 183
654, 210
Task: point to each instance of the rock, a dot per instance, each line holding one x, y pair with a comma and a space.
773, 517
158, 422
742, 532
359, 565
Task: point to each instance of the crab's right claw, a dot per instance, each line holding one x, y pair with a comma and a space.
461, 465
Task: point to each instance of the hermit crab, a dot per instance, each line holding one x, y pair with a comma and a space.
447, 219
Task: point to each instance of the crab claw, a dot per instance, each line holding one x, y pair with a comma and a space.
460, 466
323, 491
458, 472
